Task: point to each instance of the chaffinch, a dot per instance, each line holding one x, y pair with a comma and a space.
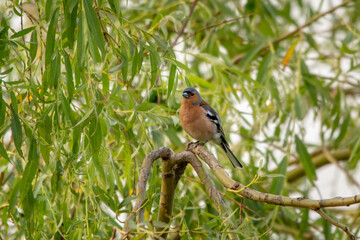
203, 123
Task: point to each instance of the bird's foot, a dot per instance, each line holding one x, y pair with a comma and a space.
197, 143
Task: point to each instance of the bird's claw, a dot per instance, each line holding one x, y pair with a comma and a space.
197, 143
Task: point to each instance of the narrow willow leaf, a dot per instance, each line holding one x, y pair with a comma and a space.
94, 26
134, 68
124, 69
251, 54
70, 17
265, 70
105, 82
33, 46
67, 109
343, 130
299, 105
76, 136
94, 50
69, 76
54, 73
49, 9
50, 38
89, 115
4, 153
95, 135
141, 55
355, 155
28, 202
30, 170
22, 32
13, 196
154, 64
16, 130
278, 183
2, 109
305, 160
56, 178
145, 106
171, 79
45, 132
13, 101
201, 82
304, 221
80, 43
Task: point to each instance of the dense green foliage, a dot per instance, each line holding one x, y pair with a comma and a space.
89, 87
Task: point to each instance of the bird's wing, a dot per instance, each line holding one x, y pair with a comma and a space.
212, 115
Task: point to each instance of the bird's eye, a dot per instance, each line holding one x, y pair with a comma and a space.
192, 94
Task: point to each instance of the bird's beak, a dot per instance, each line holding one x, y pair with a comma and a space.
185, 95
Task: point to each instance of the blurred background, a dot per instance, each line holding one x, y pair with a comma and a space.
88, 88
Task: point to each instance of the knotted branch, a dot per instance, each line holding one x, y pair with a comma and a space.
173, 166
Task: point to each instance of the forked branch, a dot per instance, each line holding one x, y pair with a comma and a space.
173, 167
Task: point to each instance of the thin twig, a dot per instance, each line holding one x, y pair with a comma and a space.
237, 58
333, 160
213, 26
335, 223
185, 23
257, 196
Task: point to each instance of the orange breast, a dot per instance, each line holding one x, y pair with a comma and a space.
195, 122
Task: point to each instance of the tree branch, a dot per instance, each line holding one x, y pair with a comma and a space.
319, 161
185, 23
335, 223
237, 58
174, 166
252, 194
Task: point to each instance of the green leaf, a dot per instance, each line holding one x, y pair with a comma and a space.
13, 196
201, 82
355, 155
95, 135
22, 32
154, 63
105, 82
134, 66
305, 160
251, 54
4, 153
265, 69
67, 109
94, 26
69, 76
80, 43
145, 106
171, 79
278, 183
45, 133
30, 170
299, 105
33, 45
16, 130
344, 129
2, 109
13, 101
54, 73
70, 17
49, 9
50, 38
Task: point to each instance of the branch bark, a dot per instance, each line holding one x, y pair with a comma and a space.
263, 51
185, 23
173, 168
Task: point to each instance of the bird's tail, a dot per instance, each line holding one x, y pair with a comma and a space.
235, 162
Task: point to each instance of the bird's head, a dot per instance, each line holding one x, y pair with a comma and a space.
191, 95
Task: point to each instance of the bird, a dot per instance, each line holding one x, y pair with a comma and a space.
203, 123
